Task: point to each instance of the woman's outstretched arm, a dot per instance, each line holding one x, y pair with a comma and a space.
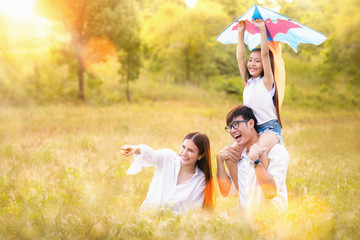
128, 150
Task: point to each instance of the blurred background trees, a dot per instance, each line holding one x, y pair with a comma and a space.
91, 24
95, 49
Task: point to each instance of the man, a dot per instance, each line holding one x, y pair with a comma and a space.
258, 188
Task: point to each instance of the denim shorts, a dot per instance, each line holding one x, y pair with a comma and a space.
272, 126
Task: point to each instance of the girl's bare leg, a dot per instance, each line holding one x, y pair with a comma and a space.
267, 139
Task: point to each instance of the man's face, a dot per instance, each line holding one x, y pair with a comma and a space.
240, 130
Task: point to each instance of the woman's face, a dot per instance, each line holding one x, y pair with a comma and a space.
189, 152
255, 64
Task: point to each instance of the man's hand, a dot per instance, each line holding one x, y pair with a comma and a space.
232, 153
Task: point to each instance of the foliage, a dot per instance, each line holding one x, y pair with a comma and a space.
177, 45
71, 15
83, 21
340, 52
233, 8
122, 29
181, 52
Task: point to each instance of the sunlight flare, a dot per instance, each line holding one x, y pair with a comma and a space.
17, 8
191, 3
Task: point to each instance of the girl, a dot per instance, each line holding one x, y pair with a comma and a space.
260, 93
181, 182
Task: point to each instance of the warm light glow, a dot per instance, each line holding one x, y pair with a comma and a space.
191, 3
20, 22
17, 8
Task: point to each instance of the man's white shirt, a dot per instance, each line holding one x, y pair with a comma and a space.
251, 195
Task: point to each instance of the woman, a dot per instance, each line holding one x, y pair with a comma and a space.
181, 182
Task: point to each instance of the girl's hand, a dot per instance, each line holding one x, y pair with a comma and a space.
241, 26
256, 151
128, 150
259, 23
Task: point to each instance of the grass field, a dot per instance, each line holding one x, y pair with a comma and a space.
62, 175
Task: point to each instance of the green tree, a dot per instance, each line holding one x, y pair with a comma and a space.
344, 40
83, 20
234, 8
337, 20
118, 21
180, 41
71, 14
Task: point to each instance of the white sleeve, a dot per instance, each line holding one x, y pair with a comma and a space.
148, 157
279, 161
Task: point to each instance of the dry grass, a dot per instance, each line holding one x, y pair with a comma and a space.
62, 175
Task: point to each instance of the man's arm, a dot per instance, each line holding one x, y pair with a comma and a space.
233, 171
230, 154
222, 177
232, 163
265, 180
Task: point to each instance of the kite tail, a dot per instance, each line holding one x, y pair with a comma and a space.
279, 76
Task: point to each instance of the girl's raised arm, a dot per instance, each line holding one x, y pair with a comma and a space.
240, 52
265, 56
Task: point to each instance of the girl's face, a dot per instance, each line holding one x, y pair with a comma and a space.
255, 64
189, 152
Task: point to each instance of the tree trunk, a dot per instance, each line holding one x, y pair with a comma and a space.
78, 43
80, 74
128, 79
187, 61
127, 90
187, 66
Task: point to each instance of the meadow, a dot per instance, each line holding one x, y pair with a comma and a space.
62, 175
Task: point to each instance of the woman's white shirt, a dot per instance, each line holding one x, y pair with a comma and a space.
260, 100
164, 190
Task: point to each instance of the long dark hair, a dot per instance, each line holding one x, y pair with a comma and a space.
275, 97
240, 110
204, 164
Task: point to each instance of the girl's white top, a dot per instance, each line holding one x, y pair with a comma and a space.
164, 190
259, 99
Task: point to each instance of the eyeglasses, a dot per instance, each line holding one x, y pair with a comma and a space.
234, 125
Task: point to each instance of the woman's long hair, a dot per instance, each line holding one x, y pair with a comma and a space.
203, 144
275, 97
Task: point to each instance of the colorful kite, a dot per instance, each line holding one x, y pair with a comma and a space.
279, 28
